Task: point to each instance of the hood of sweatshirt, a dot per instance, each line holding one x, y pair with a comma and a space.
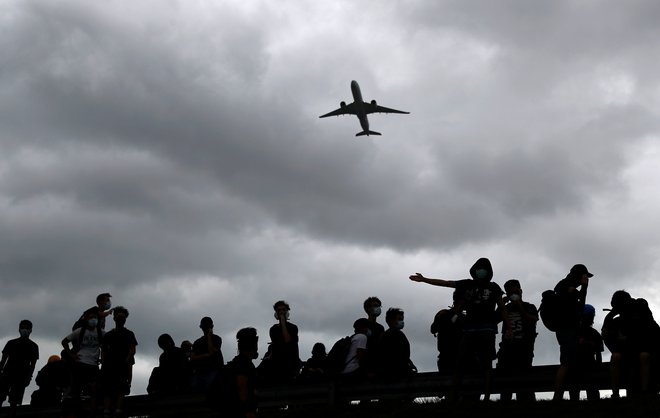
482, 263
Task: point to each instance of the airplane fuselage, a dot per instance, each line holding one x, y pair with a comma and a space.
359, 106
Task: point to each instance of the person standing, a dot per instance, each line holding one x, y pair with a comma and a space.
19, 358
517, 346
118, 357
572, 295
482, 299
206, 359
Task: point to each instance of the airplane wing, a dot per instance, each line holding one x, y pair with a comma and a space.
349, 109
374, 108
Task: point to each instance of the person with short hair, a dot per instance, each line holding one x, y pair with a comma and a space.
315, 367
282, 361
589, 356
517, 346
206, 359
633, 337
118, 357
237, 395
105, 308
355, 362
393, 352
19, 358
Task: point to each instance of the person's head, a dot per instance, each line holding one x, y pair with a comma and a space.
248, 342
512, 289
186, 346
165, 342
482, 271
119, 315
25, 328
53, 359
394, 318
103, 301
621, 300
579, 272
588, 314
361, 326
281, 308
91, 316
318, 350
206, 324
372, 306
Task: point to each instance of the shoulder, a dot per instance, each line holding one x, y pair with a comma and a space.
494, 287
530, 306
217, 339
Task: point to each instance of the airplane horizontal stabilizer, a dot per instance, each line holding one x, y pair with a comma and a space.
367, 133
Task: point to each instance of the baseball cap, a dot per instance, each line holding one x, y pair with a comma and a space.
579, 270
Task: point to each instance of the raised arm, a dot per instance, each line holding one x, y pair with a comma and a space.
418, 277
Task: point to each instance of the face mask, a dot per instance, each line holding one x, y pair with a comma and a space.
93, 322
514, 297
400, 324
108, 305
375, 311
481, 273
24, 332
368, 333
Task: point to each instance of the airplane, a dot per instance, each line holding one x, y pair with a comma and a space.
361, 109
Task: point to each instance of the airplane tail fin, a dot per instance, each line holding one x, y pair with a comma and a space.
367, 133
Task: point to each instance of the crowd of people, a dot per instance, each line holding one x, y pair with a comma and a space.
465, 332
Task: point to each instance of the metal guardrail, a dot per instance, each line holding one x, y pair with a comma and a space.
420, 385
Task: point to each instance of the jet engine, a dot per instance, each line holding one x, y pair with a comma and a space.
373, 103
342, 104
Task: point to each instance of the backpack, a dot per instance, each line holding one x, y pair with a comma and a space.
337, 355
551, 310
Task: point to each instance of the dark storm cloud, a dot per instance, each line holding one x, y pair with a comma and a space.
173, 155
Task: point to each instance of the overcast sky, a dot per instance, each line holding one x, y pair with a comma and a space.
170, 153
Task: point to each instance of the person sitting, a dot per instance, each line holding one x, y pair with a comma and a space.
315, 367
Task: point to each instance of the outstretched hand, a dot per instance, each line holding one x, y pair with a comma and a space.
417, 277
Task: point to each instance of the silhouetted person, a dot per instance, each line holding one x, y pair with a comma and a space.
355, 367
104, 308
19, 357
517, 346
84, 357
572, 301
118, 354
632, 335
206, 359
373, 308
282, 361
589, 354
481, 297
172, 376
187, 347
53, 380
393, 352
447, 328
315, 367
235, 394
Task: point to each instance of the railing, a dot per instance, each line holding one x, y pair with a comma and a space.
420, 385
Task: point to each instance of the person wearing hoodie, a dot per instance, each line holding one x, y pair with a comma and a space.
482, 302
